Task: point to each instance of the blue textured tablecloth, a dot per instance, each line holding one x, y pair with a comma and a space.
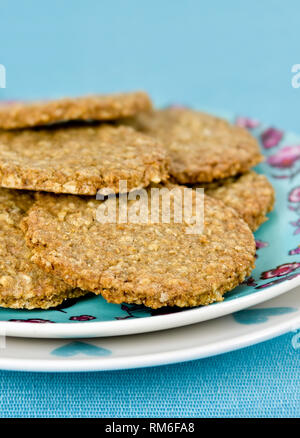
258, 381
225, 55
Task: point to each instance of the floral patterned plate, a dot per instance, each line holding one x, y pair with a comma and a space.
277, 267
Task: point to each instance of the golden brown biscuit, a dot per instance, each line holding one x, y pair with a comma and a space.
23, 285
155, 264
202, 148
80, 160
251, 195
101, 107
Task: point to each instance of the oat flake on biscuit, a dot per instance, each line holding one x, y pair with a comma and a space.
152, 264
250, 194
202, 147
23, 285
97, 107
80, 160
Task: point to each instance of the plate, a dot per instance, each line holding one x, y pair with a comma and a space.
232, 332
277, 265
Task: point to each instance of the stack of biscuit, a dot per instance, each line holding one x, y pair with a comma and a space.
54, 158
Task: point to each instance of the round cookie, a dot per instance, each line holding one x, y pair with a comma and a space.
251, 195
156, 264
98, 107
23, 285
202, 147
80, 160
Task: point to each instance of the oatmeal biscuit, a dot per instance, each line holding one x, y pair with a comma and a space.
156, 264
22, 283
202, 147
251, 195
101, 107
79, 160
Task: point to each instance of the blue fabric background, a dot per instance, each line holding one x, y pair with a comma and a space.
259, 381
229, 55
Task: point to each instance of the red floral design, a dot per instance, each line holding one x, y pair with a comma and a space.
280, 271
271, 137
294, 195
285, 157
295, 250
260, 244
246, 122
278, 280
33, 320
250, 282
82, 318
297, 225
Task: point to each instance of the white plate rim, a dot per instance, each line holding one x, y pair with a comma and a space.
257, 335
147, 324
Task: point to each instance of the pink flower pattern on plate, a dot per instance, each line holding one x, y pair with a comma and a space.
82, 318
280, 271
295, 251
33, 320
246, 122
271, 137
260, 244
294, 195
285, 157
297, 225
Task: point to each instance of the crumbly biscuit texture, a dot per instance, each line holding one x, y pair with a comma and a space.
101, 107
202, 147
251, 195
22, 283
155, 264
80, 160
